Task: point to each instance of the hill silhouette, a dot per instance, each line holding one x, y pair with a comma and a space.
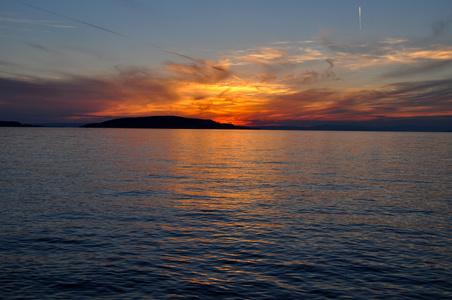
13, 124
173, 122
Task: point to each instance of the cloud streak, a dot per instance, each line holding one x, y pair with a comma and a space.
35, 22
395, 100
422, 68
101, 28
201, 71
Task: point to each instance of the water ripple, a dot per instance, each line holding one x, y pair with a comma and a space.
166, 214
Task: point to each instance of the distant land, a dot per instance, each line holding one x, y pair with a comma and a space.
418, 124
14, 124
163, 122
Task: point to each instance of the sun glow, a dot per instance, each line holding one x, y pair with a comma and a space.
268, 85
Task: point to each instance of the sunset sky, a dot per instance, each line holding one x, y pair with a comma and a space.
247, 62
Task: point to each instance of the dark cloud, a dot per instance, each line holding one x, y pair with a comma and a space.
6, 63
434, 95
422, 97
369, 47
129, 90
330, 62
200, 71
425, 67
45, 100
283, 70
415, 98
42, 48
441, 26
135, 89
278, 62
310, 76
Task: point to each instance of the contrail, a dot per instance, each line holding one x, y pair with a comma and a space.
107, 30
359, 11
200, 61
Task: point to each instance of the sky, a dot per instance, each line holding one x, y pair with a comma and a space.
246, 62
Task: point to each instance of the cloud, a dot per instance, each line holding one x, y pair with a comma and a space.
200, 71
6, 63
426, 67
136, 91
42, 48
440, 27
398, 99
288, 56
330, 62
360, 47
308, 77
415, 54
290, 66
42, 100
187, 89
432, 95
286, 81
48, 23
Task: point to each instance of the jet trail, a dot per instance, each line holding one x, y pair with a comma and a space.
359, 12
106, 30
199, 61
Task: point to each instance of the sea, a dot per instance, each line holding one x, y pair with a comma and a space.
224, 214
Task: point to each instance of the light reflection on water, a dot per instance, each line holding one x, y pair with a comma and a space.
231, 214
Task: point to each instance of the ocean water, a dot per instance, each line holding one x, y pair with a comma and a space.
208, 214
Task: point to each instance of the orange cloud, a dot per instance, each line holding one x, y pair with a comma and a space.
269, 84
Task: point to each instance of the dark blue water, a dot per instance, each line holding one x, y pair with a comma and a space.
204, 214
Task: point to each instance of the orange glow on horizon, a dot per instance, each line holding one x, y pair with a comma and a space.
270, 89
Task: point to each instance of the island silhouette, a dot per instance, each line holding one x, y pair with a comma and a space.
417, 124
14, 124
173, 122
